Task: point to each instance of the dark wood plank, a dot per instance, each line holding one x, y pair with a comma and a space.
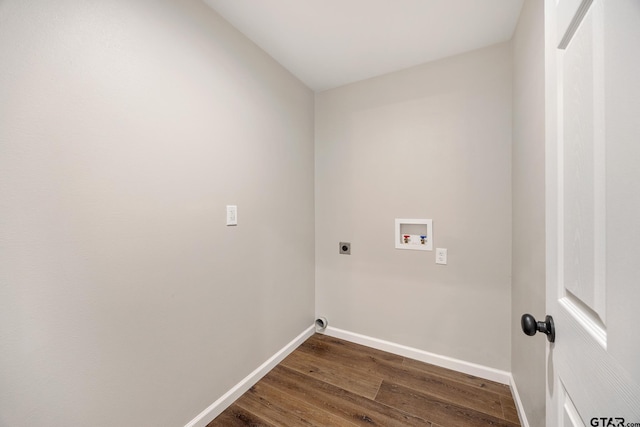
446, 390
351, 354
282, 409
235, 416
333, 372
435, 410
509, 408
350, 406
471, 380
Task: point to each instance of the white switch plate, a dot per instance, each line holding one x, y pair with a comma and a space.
441, 256
232, 215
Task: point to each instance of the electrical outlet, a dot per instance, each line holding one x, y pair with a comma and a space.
232, 215
441, 256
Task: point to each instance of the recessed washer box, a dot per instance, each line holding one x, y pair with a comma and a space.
414, 234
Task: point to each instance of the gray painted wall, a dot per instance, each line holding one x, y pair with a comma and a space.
125, 129
528, 288
433, 141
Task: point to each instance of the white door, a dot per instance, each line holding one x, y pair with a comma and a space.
593, 211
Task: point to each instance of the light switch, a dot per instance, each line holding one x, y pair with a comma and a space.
441, 256
232, 215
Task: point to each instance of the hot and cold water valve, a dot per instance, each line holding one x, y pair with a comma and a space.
414, 234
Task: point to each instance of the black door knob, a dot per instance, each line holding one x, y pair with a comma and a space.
530, 326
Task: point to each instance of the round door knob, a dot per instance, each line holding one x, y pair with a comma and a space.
530, 326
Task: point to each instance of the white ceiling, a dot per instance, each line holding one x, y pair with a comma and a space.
329, 43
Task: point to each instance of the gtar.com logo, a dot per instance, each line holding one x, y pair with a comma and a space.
611, 422
607, 422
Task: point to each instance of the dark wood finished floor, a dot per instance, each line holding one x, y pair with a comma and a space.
331, 382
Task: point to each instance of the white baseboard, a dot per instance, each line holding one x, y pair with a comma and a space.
516, 398
474, 369
216, 408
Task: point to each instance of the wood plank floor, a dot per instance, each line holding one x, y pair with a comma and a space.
330, 382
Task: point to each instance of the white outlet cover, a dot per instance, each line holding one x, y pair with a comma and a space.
441, 256
232, 215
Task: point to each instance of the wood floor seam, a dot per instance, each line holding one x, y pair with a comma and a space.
378, 389
395, 408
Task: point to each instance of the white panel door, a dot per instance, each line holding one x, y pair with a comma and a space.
593, 236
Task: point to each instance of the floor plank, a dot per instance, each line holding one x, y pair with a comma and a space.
350, 406
435, 410
332, 372
450, 391
332, 382
282, 409
501, 389
351, 354
235, 416
509, 408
